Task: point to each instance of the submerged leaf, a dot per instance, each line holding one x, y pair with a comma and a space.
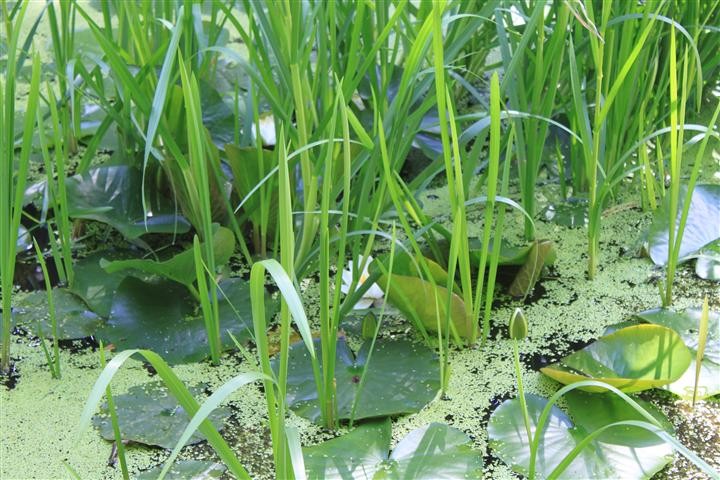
401, 377
631, 359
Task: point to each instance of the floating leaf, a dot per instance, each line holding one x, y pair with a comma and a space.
187, 469
701, 229
181, 267
686, 324
417, 298
160, 316
626, 452
431, 452
112, 195
73, 318
631, 359
542, 252
572, 213
148, 414
402, 377
96, 286
708, 262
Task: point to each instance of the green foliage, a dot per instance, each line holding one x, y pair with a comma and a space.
433, 451
632, 359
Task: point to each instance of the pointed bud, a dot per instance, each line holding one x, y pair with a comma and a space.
369, 326
518, 328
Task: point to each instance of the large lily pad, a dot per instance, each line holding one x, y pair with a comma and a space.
686, 324
113, 195
402, 377
74, 319
623, 452
96, 286
708, 262
187, 469
161, 316
150, 415
632, 359
432, 452
418, 299
701, 229
181, 267
541, 253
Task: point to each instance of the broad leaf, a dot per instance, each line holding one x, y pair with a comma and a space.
708, 262
632, 359
435, 451
181, 267
627, 452
419, 299
542, 252
402, 377
701, 229
96, 286
161, 316
113, 195
686, 324
572, 213
187, 469
150, 415
74, 319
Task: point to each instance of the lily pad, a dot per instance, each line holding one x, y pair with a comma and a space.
417, 298
162, 316
74, 319
701, 229
431, 452
631, 359
402, 377
187, 469
181, 267
628, 452
113, 195
572, 213
96, 286
686, 324
150, 415
708, 262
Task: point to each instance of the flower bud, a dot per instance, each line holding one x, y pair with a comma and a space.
518, 328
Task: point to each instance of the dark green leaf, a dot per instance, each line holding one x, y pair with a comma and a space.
160, 316
187, 469
74, 319
95, 285
112, 195
181, 267
402, 377
542, 252
148, 414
